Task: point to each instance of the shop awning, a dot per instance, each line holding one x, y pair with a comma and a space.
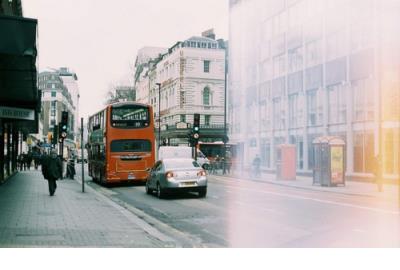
18, 87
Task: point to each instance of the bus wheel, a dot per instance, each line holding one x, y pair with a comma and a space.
160, 192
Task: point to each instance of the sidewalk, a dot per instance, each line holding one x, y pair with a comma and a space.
389, 192
29, 217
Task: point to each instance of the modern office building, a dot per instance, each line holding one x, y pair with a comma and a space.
188, 78
300, 69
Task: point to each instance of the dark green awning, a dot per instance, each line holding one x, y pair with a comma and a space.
18, 36
18, 87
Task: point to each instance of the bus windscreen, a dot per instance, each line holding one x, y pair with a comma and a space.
130, 117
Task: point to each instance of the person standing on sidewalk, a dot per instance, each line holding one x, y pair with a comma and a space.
52, 169
256, 166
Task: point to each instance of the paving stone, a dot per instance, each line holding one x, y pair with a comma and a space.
29, 217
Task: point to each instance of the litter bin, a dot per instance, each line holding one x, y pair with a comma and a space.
286, 162
329, 161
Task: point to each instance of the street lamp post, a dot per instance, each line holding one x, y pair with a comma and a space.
225, 94
159, 116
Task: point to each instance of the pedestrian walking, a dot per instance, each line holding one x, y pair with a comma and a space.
23, 161
71, 168
28, 160
256, 166
228, 163
36, 159
52, 170
20, 160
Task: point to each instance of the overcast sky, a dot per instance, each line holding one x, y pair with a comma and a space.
99, 39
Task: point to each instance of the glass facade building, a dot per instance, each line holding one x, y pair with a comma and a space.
300, 69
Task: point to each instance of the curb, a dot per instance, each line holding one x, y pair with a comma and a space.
312, 188
148, 223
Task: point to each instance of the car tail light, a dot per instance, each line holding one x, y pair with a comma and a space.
201, 173
170, 174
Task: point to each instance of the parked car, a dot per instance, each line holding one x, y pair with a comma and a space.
177, 174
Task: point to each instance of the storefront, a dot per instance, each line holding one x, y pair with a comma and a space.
19, 96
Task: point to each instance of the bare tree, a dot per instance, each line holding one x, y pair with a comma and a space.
119, 92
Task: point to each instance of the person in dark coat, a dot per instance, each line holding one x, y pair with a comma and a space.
29, 160
52, 169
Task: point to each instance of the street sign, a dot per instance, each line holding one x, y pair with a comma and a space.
181, 125
17, 113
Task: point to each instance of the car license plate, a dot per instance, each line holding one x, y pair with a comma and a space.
131, 177
187, 184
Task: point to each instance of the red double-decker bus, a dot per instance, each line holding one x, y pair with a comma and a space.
121, 143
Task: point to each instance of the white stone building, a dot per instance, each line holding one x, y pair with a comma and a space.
191, 78
144, 60
59, 93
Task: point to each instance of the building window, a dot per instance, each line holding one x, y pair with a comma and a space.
391, 146
295, 59
183, 118
278, 113
363, 153
363, 100
53, 93
206, 96
293, 111
336, 104
207, 120
206, 66
265, 154
335, 45
279, 67
314, 53
314, 107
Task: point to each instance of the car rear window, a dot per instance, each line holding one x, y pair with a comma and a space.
130, 146
181, 164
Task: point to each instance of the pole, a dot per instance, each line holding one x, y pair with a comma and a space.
159, 114
225, 126
61, 152
83, 163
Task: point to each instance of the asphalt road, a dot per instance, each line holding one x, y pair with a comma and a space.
239, 213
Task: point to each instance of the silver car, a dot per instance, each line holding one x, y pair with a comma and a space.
178, 174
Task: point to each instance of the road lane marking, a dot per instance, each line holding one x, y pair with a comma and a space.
299, 197
252, 207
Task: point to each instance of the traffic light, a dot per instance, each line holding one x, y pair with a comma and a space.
64, 125
196, 123
196, 129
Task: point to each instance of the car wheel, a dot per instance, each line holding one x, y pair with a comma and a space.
148, 189
160, 191
203, 193
93, 175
